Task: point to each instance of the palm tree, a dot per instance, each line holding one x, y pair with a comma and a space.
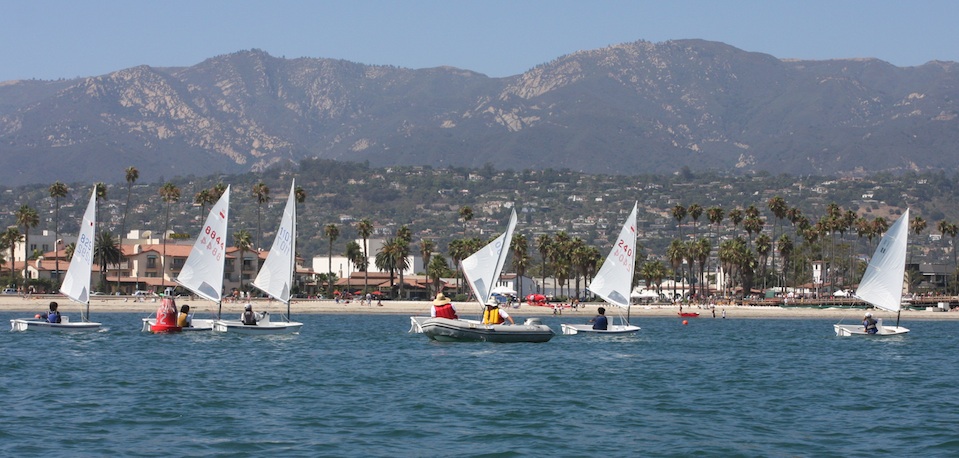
58, 190
777, 205
28, 218
9, 239
243, 241
390, 259
458, 249
952, 230
437, 270
68, 251
101, 188
764, 245
404, 237
354, 258
132, 175
467, 214
106, 252
676, 252
520, 247
735, 216
701, 250
544, 244
679, 214
365, 229
332, 233
695, 211
786, 249
426, 251
217, 191
260, 192
203, 198
918, 224
170, 194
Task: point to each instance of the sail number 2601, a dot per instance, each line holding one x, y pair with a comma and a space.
214, 243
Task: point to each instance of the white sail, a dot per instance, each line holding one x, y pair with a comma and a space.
276, 276
76, 283
203, 271
881, 285
483, 268
614, 281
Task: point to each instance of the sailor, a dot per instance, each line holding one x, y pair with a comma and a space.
249, 318
53, 316
869, 323
494, 314
183, 319
600, 321
443, 308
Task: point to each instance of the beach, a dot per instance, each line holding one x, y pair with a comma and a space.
114, 304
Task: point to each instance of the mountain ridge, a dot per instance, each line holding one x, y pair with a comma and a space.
629, 108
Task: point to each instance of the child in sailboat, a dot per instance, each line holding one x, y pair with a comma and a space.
53, 316
600, 321
870, 324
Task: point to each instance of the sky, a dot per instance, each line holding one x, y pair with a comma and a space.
51, 39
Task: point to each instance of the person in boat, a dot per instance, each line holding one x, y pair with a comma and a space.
443, 308
600, 322
494, 314
869, 323
53, 316
249, 318
183, 319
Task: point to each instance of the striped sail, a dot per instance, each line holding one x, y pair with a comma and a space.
203, 271
614, 281
881, 285
482, 269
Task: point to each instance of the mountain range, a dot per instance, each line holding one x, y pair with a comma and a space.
626, 109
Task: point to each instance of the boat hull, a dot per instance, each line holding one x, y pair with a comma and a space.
688, 314
149, 325
31, 324
262, 327
573, 329
446, 330
847, 330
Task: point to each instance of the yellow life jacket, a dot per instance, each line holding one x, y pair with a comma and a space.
183, 320
491, 316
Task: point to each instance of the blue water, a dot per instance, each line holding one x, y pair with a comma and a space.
362, 386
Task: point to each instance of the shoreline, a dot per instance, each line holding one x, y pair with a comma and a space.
109, 304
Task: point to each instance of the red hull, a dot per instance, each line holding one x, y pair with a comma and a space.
163, 328
689, 314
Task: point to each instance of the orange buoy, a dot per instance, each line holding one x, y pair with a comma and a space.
685, 322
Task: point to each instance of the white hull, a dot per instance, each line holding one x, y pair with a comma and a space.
196, 325
262, 327
846, 330
446, 330
571, 329
32, 324
416, 323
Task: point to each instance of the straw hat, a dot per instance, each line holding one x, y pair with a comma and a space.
441, 299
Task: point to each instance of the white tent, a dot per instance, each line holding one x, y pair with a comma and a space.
504, 290
645, 294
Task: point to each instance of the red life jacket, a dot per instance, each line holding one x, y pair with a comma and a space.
445, 311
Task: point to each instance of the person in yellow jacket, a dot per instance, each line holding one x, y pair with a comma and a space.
494, 314
183, 319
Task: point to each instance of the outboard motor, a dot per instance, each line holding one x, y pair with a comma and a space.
533, 322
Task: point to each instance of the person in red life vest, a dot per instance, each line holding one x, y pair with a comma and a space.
443, 308
494, 314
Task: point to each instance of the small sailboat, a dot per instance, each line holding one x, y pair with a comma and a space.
76, 283
274, 278
881, 285
614, 281
481, 270
202, 272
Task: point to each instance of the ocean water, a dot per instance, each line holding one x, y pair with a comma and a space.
362, 386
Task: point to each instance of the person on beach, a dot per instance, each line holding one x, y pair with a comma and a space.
53, 316
600, 321
183, 319
494, 315
869, 323
443, 308
249, 318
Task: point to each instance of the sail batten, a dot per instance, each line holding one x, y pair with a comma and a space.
881, 285
203, 271
482, 269
614, 281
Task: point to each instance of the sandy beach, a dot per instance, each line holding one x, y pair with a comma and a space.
109, 304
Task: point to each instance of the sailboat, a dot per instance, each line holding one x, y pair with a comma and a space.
274, 278
881, 285
203, 271
614, 281
481, 270
76, 283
